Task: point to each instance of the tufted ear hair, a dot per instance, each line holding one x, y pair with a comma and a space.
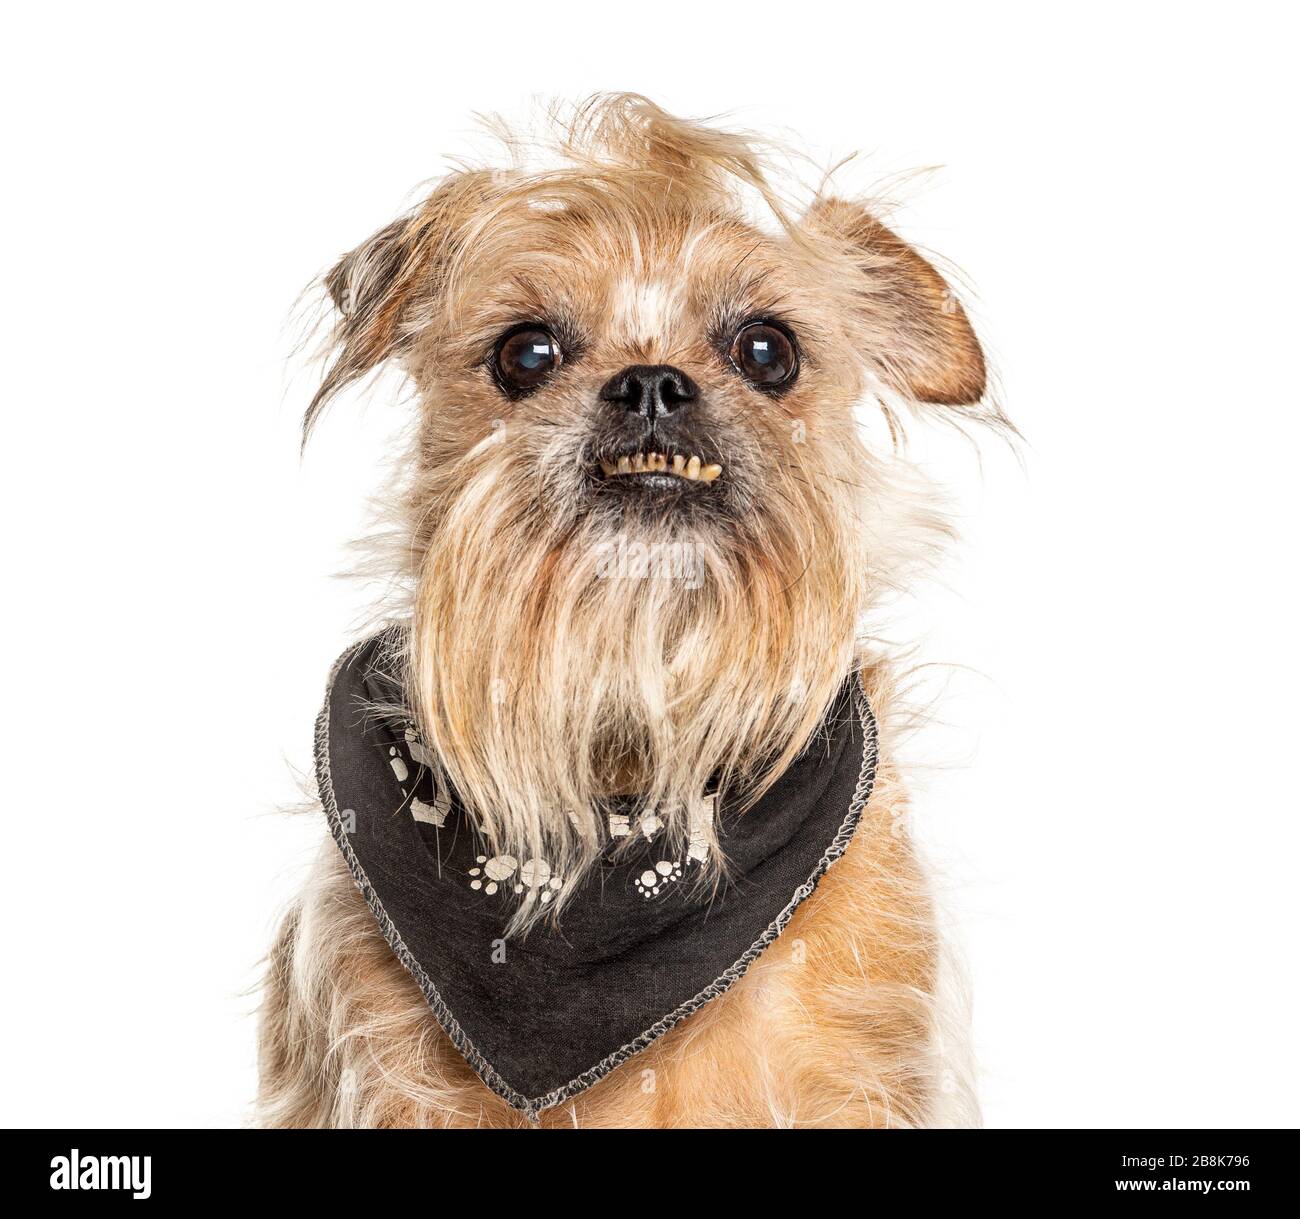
926, 348
370, 287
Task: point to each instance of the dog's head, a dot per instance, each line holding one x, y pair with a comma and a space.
643, 522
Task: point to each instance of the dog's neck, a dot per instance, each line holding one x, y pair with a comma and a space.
622, 777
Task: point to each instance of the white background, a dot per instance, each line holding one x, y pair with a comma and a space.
1112, 805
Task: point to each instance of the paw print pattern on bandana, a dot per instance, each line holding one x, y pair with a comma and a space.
651, 881
535, 876
534, 880
491, 872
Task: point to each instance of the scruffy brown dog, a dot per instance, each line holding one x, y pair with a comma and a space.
647, 343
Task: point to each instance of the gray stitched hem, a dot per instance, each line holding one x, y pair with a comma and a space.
533, 1107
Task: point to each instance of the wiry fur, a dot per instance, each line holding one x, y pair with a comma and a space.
544, 689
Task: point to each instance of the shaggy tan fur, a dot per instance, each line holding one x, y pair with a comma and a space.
544, 688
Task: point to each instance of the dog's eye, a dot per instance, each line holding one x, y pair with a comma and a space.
526, 357
764, 355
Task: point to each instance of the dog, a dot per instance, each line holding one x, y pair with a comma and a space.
641, 530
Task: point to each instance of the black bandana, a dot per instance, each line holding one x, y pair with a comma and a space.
638, 948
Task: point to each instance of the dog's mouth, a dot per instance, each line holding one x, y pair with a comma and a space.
657, 471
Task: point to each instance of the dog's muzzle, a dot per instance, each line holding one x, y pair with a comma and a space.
649, 446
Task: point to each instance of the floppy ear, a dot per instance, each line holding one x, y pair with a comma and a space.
370, 288
926, 347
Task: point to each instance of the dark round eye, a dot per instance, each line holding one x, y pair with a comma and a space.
526, 357
764, 355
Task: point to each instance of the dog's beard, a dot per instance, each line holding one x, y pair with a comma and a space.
559, 659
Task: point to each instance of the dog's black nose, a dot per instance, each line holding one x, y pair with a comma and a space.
651, 390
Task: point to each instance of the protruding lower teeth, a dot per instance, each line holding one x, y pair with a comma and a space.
689, 468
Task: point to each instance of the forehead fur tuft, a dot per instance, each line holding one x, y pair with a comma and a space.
625, 140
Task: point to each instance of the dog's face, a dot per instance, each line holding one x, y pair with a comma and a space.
644, 525
652, 381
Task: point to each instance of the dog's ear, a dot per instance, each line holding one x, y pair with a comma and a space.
379, 287
370, 287
925, 347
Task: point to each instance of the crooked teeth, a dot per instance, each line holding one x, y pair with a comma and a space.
689, 468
